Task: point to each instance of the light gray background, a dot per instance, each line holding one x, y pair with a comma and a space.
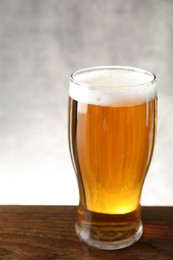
41, 43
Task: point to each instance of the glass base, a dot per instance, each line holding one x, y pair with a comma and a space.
107, 244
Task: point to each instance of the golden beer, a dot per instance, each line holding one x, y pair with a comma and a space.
111, 138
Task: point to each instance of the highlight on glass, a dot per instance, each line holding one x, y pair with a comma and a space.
111, 129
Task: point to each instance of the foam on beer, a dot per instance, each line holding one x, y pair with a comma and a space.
112, 87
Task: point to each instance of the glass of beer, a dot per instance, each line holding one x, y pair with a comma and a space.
111, 129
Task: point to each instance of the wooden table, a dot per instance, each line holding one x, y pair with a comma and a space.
47, 233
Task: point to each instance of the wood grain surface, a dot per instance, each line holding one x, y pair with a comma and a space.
47, 233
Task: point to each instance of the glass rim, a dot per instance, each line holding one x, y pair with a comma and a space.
109, 68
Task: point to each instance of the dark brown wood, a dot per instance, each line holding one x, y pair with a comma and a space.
47, 233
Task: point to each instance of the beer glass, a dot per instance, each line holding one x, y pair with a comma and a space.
111, 129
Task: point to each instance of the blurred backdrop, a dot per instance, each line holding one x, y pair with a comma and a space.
41, 43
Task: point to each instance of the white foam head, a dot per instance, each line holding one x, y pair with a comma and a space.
112, 85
